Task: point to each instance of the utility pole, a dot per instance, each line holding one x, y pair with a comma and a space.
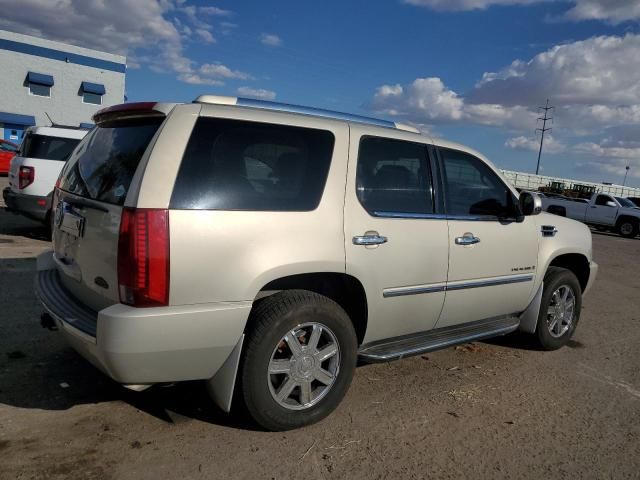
545, 118
625, 175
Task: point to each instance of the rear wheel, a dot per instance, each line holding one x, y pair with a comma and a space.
559, 308
299, 359
628, 228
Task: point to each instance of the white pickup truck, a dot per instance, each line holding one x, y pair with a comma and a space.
603, 211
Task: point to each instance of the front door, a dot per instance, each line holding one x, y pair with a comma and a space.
395, 244
600, 212
492, 260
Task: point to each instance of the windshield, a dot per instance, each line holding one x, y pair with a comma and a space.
48, 148
625, 202
102, 166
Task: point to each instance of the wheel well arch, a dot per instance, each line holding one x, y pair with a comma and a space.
576, 263
622, 218
345, 290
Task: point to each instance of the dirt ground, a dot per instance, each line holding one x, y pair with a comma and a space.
497, 409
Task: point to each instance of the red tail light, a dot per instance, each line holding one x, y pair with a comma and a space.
26, 176
143, 257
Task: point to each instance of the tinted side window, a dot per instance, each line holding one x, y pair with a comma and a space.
238, 165
393, 176
48, 148
602, 200
472, 188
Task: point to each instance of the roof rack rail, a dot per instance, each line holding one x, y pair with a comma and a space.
286, 107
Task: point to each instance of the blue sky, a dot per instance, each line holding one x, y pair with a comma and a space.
473, 71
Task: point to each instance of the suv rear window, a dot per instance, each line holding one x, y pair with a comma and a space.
102, 166
238, 165
48, 148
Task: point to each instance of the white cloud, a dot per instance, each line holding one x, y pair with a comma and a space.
259, 93
270, 40
551, 145
215, 11
217, 70
612, 11
457, 5
151, 32
601, 70
428, 101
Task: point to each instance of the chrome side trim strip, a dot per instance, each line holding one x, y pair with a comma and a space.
436, 216
400, 291
490, 282
419, 289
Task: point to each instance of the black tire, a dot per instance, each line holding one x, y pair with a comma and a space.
272, 319
627, 228
554, 279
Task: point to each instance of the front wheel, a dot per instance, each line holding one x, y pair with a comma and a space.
299, 359
559, 308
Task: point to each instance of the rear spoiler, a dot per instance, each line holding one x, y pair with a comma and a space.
129, 110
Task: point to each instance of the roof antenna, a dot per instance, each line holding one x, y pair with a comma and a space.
53, 124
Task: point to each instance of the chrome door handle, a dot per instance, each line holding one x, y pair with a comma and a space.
467, 239
369, 239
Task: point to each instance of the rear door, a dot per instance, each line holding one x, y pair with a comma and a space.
89, 204
493, 258
395, 242
601, 213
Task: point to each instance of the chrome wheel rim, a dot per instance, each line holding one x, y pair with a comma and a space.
304, 366
561, 311
626, 228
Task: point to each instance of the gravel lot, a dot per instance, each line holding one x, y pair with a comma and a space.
497, 409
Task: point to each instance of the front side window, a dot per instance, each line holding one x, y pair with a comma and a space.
239, 165
472, 188
602, 200
393, 176
39, 90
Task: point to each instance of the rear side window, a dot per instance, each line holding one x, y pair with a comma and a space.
472, 188
238, 165
102, 166
48, 148
393, 177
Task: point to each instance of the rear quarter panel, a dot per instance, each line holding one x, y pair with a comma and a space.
221, 255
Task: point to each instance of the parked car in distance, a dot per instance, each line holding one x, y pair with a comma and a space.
265, 248
602, 211
7, 152
36, 168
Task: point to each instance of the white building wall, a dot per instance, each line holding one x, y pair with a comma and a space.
65, 106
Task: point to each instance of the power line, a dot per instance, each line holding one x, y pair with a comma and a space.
545, 118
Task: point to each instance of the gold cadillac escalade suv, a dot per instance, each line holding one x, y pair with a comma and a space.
266, 248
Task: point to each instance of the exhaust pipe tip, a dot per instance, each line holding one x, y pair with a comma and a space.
47, 321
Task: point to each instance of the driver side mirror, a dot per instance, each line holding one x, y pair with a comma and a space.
530, 203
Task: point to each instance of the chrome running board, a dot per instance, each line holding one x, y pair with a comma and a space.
422, 342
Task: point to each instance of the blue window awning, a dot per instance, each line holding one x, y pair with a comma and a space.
40, 79
15, 118
96, 88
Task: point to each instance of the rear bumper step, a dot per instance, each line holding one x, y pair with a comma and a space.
423, 342
62, 306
